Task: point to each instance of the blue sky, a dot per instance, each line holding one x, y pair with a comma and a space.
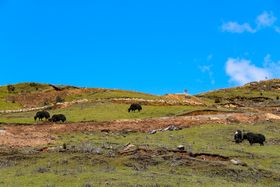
151, 46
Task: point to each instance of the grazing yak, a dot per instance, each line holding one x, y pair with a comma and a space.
42, 114
57, 118
135, 106
238, 136
251, 137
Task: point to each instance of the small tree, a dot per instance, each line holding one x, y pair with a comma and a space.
33, 84
11, 88
217, 100
58, 99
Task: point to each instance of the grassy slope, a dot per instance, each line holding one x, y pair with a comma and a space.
248, 91
98, 111
6, 97
90, 94
78, 169
108, 94
101, 112
4, 103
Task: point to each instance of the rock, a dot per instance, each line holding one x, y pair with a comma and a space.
2, 132
129, 147
269, 116
235, 162
238, 162
213, 118
152, 132
171, 128
181, 147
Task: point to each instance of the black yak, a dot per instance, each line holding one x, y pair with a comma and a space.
251, 137
135, 106
254, 138
238, 136
42, 114
57, 118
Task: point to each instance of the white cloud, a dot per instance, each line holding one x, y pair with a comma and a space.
235, 27
242, 71
265, 19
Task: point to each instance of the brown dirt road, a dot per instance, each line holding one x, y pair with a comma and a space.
32, 135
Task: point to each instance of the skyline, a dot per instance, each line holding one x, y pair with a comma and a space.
155, 47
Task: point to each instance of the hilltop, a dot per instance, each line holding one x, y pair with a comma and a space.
260, 95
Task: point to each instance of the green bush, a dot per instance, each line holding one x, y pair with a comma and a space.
10, 88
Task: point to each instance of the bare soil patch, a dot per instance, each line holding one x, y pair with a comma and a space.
21, 135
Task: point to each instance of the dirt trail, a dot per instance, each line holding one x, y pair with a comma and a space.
21, 135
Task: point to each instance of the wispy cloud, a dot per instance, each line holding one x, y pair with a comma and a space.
208, 69
235, 27
264, 20
242, 71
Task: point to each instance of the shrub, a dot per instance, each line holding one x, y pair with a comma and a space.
42, 170
58, 99
217, 100
11, 88
277, 97
33, 84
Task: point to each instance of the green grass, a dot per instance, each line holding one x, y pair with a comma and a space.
244, 91
101, 112
6, 97
92, 94
99, 93
78, 169
5, 104
98, 171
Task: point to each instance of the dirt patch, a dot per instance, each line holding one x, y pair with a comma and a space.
140, 158
274, 141
29, 100
139, 152
21, 135
204, 112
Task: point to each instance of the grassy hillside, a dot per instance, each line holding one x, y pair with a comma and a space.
252, 92
26, 95
8, 99
101, 112
85, 158
93, 159
99, 105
